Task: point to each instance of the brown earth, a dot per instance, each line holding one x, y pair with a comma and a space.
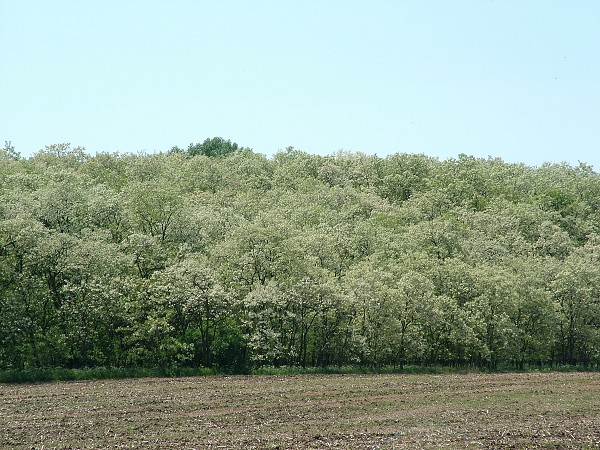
532, 410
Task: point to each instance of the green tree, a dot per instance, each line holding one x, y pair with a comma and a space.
216, 146
197, 304
576, 290
8, 152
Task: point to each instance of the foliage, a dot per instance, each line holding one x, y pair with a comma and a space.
239, 262
216, 146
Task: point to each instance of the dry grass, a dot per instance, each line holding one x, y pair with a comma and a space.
533, 410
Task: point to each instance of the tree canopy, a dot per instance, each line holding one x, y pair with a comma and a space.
216, 146
219, 256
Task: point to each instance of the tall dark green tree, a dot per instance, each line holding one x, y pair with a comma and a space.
216, 146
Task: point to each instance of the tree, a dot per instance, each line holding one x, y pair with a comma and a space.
492, 311
367, 298
577, 292
155, 205
145, 253
193, 304
8, 152
92, 310
216, 146
264, 319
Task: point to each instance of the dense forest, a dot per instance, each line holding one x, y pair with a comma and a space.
217, 256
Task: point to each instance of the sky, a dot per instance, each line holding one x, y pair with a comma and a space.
514, 79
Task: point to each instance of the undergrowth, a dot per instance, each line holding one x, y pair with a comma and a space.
41, 375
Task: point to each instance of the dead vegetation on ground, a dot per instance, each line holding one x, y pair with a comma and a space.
530, 410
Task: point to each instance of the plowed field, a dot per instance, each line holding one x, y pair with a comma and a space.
533, 410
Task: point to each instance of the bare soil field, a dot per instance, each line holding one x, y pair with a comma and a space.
531, 410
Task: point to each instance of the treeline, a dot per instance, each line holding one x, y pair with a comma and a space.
220, 257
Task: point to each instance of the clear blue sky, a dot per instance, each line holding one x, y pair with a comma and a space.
518, 80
